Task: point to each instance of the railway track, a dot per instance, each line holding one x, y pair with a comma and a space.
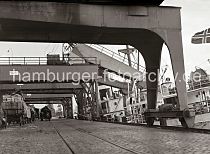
85, 132
174, 128
63, 139
104, 140
91, 134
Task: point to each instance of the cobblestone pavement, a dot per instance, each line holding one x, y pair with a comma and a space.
88, 137
80, 135
36, 138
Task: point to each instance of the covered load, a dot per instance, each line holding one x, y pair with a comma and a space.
13, 104
13, 108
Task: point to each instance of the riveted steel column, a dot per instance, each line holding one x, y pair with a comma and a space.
64, 109
69, 108
80, 103
151, 51
174, 42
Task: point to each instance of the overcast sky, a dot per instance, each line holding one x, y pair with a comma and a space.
195, 17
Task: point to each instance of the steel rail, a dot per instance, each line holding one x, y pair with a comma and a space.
63, 139
174, 128
95, 136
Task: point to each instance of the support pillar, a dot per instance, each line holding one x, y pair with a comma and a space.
80, 104
91, 92
98, 105
69, 108
64, 110
94, 102
174, 42
151, 53
152, 57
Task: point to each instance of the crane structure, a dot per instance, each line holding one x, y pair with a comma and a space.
146, 27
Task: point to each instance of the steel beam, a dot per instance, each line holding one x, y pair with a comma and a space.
58, 101
171, 114
47, 96
67, 102
47, 73
116, 84
40, 86
107, 62
182, 115
49, 91
58, 86
43, 100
